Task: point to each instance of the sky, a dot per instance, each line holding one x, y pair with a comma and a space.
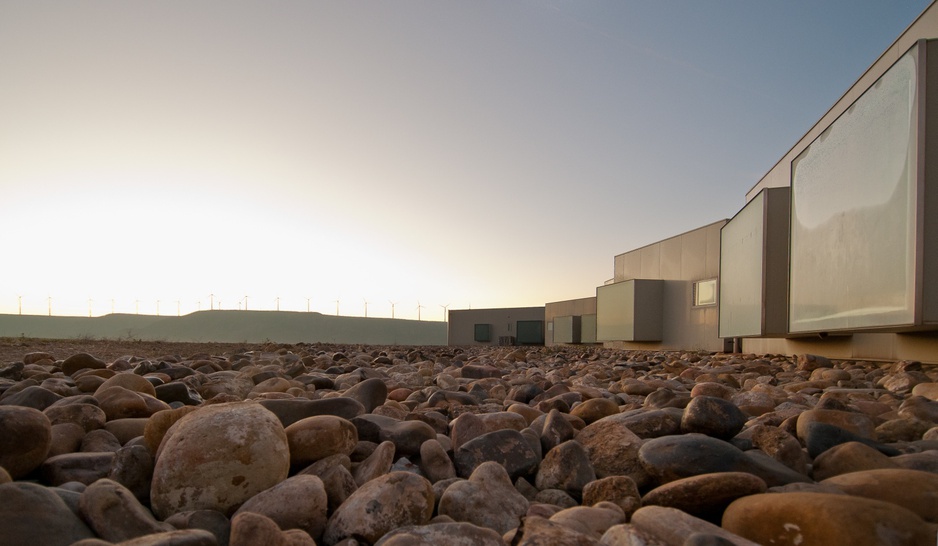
398, 157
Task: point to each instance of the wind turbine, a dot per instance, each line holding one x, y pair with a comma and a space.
336, 307
50, 306
445, 307
307, 304
419, 307
178, 309
211, 301
19, 300
137, 306
157, 307
89, 306
245, 302
366, 307
392, 307
278, 303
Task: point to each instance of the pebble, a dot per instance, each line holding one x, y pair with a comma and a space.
319, 444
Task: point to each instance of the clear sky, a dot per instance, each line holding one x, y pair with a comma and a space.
484, 153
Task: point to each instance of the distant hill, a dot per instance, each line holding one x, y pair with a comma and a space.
230, 327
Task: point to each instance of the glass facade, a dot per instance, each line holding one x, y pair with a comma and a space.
741, 269
853, 215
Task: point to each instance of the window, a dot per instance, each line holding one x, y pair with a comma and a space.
482, 333
705, 293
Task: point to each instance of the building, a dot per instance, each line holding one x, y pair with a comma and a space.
507, 326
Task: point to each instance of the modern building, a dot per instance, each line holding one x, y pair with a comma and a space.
835, 251
507, 326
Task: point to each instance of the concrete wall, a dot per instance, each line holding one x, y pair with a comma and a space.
679, 262
504, 323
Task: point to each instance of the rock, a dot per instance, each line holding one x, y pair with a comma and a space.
902, 430
486, 499
88, 416
299, 502
507, 447
188, 537
34, 397
449, 533
713, 416
911, 489
653, 423
592, 521
290, 411
538, 531
619, 490
856, 423
707, 495
927, 390
159, 423
566, 467
819, 437
595, 409
115, 514
371, 393
33, 514
781, 446
81, 361
132, 467
377, 464
665, 525
318, 437
809, 363
25, 439
66, 438
435, 462
671, 458
84, 468
613, 448
119, 403
127, 429
556, 431
339, 484
251, 529
218, 457
178, 391
407, 436
849, 457
382, 505
211, 521
99, 441
131, 382
818, 518
921, 408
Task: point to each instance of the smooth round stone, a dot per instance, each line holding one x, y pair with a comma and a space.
380, 506
120, 403
709, 388
249, 528
159, 423
912, 489
663, 525
210, 521
315, 438
299, 502
377, 464
820, 437
88, 416
671, 458
33, 396
556, 430
613, 448
407, 436
487, 499
592, 521
25, 439
290, 411
33, 514
84, 468
218, 457
781, 446
115, 514
66, 438
707, 495
131, 382
926, 461
538, 530
795, 518
339, 484
36, 357
178, 391
507, 447
127, 429
81, 361
98, 441
619, 490
132, 467
371, 393
713, 416
652, 423
595, 409
927, 390
856, 423
452, 533
919, 407
435, 462
566, 467
481, 371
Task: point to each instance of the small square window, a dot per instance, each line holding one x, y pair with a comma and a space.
482, 333
705, 293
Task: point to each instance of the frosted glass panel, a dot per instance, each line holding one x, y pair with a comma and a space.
741, 262
853, 213
615, 311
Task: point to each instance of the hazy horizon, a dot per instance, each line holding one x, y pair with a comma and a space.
434, 153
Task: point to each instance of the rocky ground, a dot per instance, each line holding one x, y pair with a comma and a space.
150, 443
